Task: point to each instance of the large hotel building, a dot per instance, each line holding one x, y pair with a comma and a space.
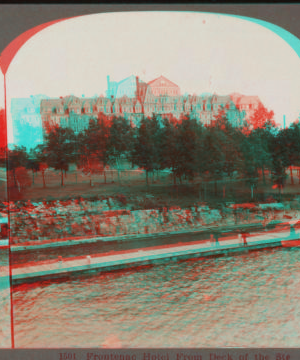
132, 99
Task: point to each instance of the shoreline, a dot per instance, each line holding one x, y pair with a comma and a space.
70, 268
54, 243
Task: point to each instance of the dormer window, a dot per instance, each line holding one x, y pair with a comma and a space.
75, 110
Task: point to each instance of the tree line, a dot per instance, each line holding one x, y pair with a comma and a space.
186, 147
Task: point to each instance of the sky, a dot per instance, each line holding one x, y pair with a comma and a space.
200, 52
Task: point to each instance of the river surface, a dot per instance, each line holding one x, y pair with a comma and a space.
249, 300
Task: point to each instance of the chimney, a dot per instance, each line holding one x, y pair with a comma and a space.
108, 84
137, 86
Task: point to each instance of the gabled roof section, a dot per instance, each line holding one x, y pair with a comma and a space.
88, 102
70, 99
75, 102
223, 98
249, 100
214, 98
149, 95
101, 100
239, 99
129, 77
235, 97
52, 102
142, 90
157, 82
206, 98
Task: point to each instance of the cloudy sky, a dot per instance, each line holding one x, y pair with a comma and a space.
200, 52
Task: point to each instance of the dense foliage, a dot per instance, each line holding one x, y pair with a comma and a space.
187, 148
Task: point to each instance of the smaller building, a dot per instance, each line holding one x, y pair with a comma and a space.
26, 121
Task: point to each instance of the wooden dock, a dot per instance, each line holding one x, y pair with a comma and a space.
104, 262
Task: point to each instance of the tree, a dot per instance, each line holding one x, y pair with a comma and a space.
145, 152
40, 154
43, 168
155, 130
169, 158
279, 162
94, 146
230, 141
23, 178
33, 163
90, 164
103, 152
249, 163
201, 153
120, 140
278, 175
60, 149
187, 132
17, 158
262, 138
290, 146
260, 116
294, 145
214, 162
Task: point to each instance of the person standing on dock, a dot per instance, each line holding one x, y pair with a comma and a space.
244, 237
215, 238
293, 231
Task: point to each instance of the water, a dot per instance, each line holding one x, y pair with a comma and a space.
248, 300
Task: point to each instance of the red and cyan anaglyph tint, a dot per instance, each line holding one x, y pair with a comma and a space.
162, 210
